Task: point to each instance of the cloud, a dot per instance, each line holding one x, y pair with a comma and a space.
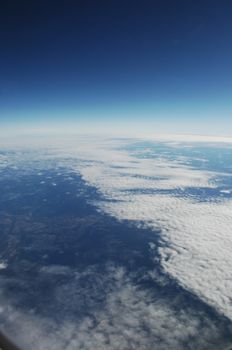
197, 240
3, 265
196, 229
55, 269
195, 250
131, 318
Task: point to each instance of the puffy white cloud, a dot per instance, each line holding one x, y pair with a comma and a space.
197, 233
198, 241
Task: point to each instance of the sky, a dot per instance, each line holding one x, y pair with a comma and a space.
136, 66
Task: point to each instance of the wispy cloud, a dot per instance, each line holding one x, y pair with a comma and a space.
131, 318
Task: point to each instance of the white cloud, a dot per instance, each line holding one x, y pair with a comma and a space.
197, 252
197, 234
131, 318
198, 241
3, 265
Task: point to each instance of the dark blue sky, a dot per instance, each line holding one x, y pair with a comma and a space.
162, 63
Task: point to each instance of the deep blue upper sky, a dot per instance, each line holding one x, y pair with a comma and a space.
159, 62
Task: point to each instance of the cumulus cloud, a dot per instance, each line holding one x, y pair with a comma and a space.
197, 241
197, 233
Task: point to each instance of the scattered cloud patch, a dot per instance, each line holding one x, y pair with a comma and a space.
3, 265
131, 318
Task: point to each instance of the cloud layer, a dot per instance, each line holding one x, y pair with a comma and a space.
155, 186
154, 190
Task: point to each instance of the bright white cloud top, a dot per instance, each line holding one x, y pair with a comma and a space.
197, 233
